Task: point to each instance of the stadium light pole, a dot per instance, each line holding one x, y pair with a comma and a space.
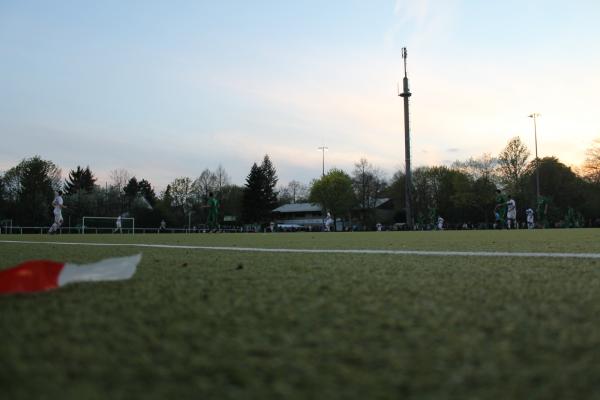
323, 148
534, 116
408, 184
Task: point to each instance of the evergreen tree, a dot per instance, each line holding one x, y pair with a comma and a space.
79, 187
141, 201
166, 196
3, 198
146, 190
253, 195
79, 179
269, 184
164, 206
132, 188
131, 191
260, 197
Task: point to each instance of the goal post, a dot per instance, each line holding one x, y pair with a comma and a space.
6, 225
107, 225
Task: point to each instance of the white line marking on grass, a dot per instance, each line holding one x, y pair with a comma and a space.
326, 251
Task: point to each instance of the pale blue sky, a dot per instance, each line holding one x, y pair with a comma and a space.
166, 89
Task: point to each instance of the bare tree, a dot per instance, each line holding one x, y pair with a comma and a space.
207, 182
368, 183
181, 192
485, 166
299, 191
591, 166
222, 179
119, 178
512, 163
294, 192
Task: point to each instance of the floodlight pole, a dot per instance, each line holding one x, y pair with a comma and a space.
534, 116
408, 184
323, 148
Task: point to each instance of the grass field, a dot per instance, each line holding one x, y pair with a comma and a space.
209, 324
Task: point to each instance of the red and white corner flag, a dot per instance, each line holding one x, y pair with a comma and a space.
40, 275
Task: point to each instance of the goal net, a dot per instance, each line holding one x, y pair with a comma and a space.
6, 226
107, 225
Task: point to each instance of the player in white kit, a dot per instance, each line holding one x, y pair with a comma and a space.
530, 220
58, 205
328, 223
440, 223
118, 225
511, 213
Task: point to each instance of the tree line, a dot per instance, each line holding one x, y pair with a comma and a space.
463, 193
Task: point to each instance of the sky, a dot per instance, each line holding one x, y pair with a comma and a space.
165, 89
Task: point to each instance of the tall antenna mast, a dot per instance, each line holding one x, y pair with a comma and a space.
408, 184
404, 55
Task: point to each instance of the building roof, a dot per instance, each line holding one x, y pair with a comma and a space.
311, 207
298, 207
381, 201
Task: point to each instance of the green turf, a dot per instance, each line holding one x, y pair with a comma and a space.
574, 240
213, 324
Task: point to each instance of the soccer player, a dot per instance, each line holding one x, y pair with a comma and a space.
162, 227
530, 221
432, 217
511, 213
58, 205
572, 219
328, 223
497, 219
500, 208
440, 223
213, 213
118, 225
542, 211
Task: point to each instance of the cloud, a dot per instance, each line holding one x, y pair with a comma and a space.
478, 107
413, 11
204, 109
423, 22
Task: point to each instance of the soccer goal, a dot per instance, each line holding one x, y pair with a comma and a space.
6, 226
107, 225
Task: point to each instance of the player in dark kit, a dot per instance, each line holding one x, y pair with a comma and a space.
213, 212
500, 208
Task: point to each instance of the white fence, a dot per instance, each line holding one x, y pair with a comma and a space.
22, 230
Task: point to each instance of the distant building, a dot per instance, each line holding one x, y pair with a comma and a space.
311, 215
381, 211
302, 214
